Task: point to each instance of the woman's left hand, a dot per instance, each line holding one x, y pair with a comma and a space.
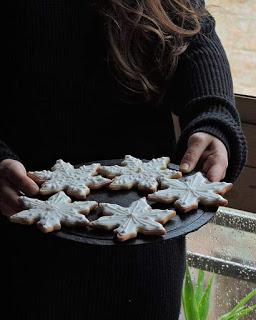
207, 154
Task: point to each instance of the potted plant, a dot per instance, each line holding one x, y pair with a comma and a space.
196, 300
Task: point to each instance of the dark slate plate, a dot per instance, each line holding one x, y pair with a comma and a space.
180, 225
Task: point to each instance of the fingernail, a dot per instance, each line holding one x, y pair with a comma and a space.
184, 166
34, 187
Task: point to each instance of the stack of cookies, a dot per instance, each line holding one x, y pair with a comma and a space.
153, 179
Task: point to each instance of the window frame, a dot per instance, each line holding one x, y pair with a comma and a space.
228, 217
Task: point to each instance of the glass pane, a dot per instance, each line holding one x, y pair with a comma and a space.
230, 245
236, 25
226, 292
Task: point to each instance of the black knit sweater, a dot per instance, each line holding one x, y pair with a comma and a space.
62, 101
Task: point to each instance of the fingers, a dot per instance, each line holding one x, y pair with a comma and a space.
13, 180
7, 210
215, 166
215, 172
206, 153
9, 194
9, 201
215, 161
197, 144
14, 172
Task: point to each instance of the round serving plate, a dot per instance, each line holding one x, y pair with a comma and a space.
180, 225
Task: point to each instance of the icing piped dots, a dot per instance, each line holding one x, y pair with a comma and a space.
56, 211
187, 192
141, 175
77, 182
139, 217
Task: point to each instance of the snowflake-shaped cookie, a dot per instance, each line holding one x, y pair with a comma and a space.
64, 177
56, 211
138, 217
135, 173
191, 190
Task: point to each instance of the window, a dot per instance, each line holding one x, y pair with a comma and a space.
236, 25
227, 246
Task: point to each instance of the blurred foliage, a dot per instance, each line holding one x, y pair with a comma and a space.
196, 300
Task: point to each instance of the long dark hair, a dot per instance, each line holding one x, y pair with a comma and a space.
145, 40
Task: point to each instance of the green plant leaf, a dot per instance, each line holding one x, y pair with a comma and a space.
203, 307
245, 312
184, 304
231, 316
240, 309
243, 301
188, 298
199, 286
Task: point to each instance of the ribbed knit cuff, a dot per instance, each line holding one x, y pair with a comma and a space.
227, 131
6, 152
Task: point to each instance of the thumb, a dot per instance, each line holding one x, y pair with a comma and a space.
197, 144
16, 173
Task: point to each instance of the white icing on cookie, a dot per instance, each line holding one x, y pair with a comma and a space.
190, 191
138, 217
56, 211
135, 173
76, 182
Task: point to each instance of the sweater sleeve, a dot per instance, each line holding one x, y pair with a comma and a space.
203, 97
6, 152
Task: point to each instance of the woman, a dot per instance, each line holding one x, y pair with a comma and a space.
100, 80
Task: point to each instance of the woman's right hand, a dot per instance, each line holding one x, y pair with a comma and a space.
13, 181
